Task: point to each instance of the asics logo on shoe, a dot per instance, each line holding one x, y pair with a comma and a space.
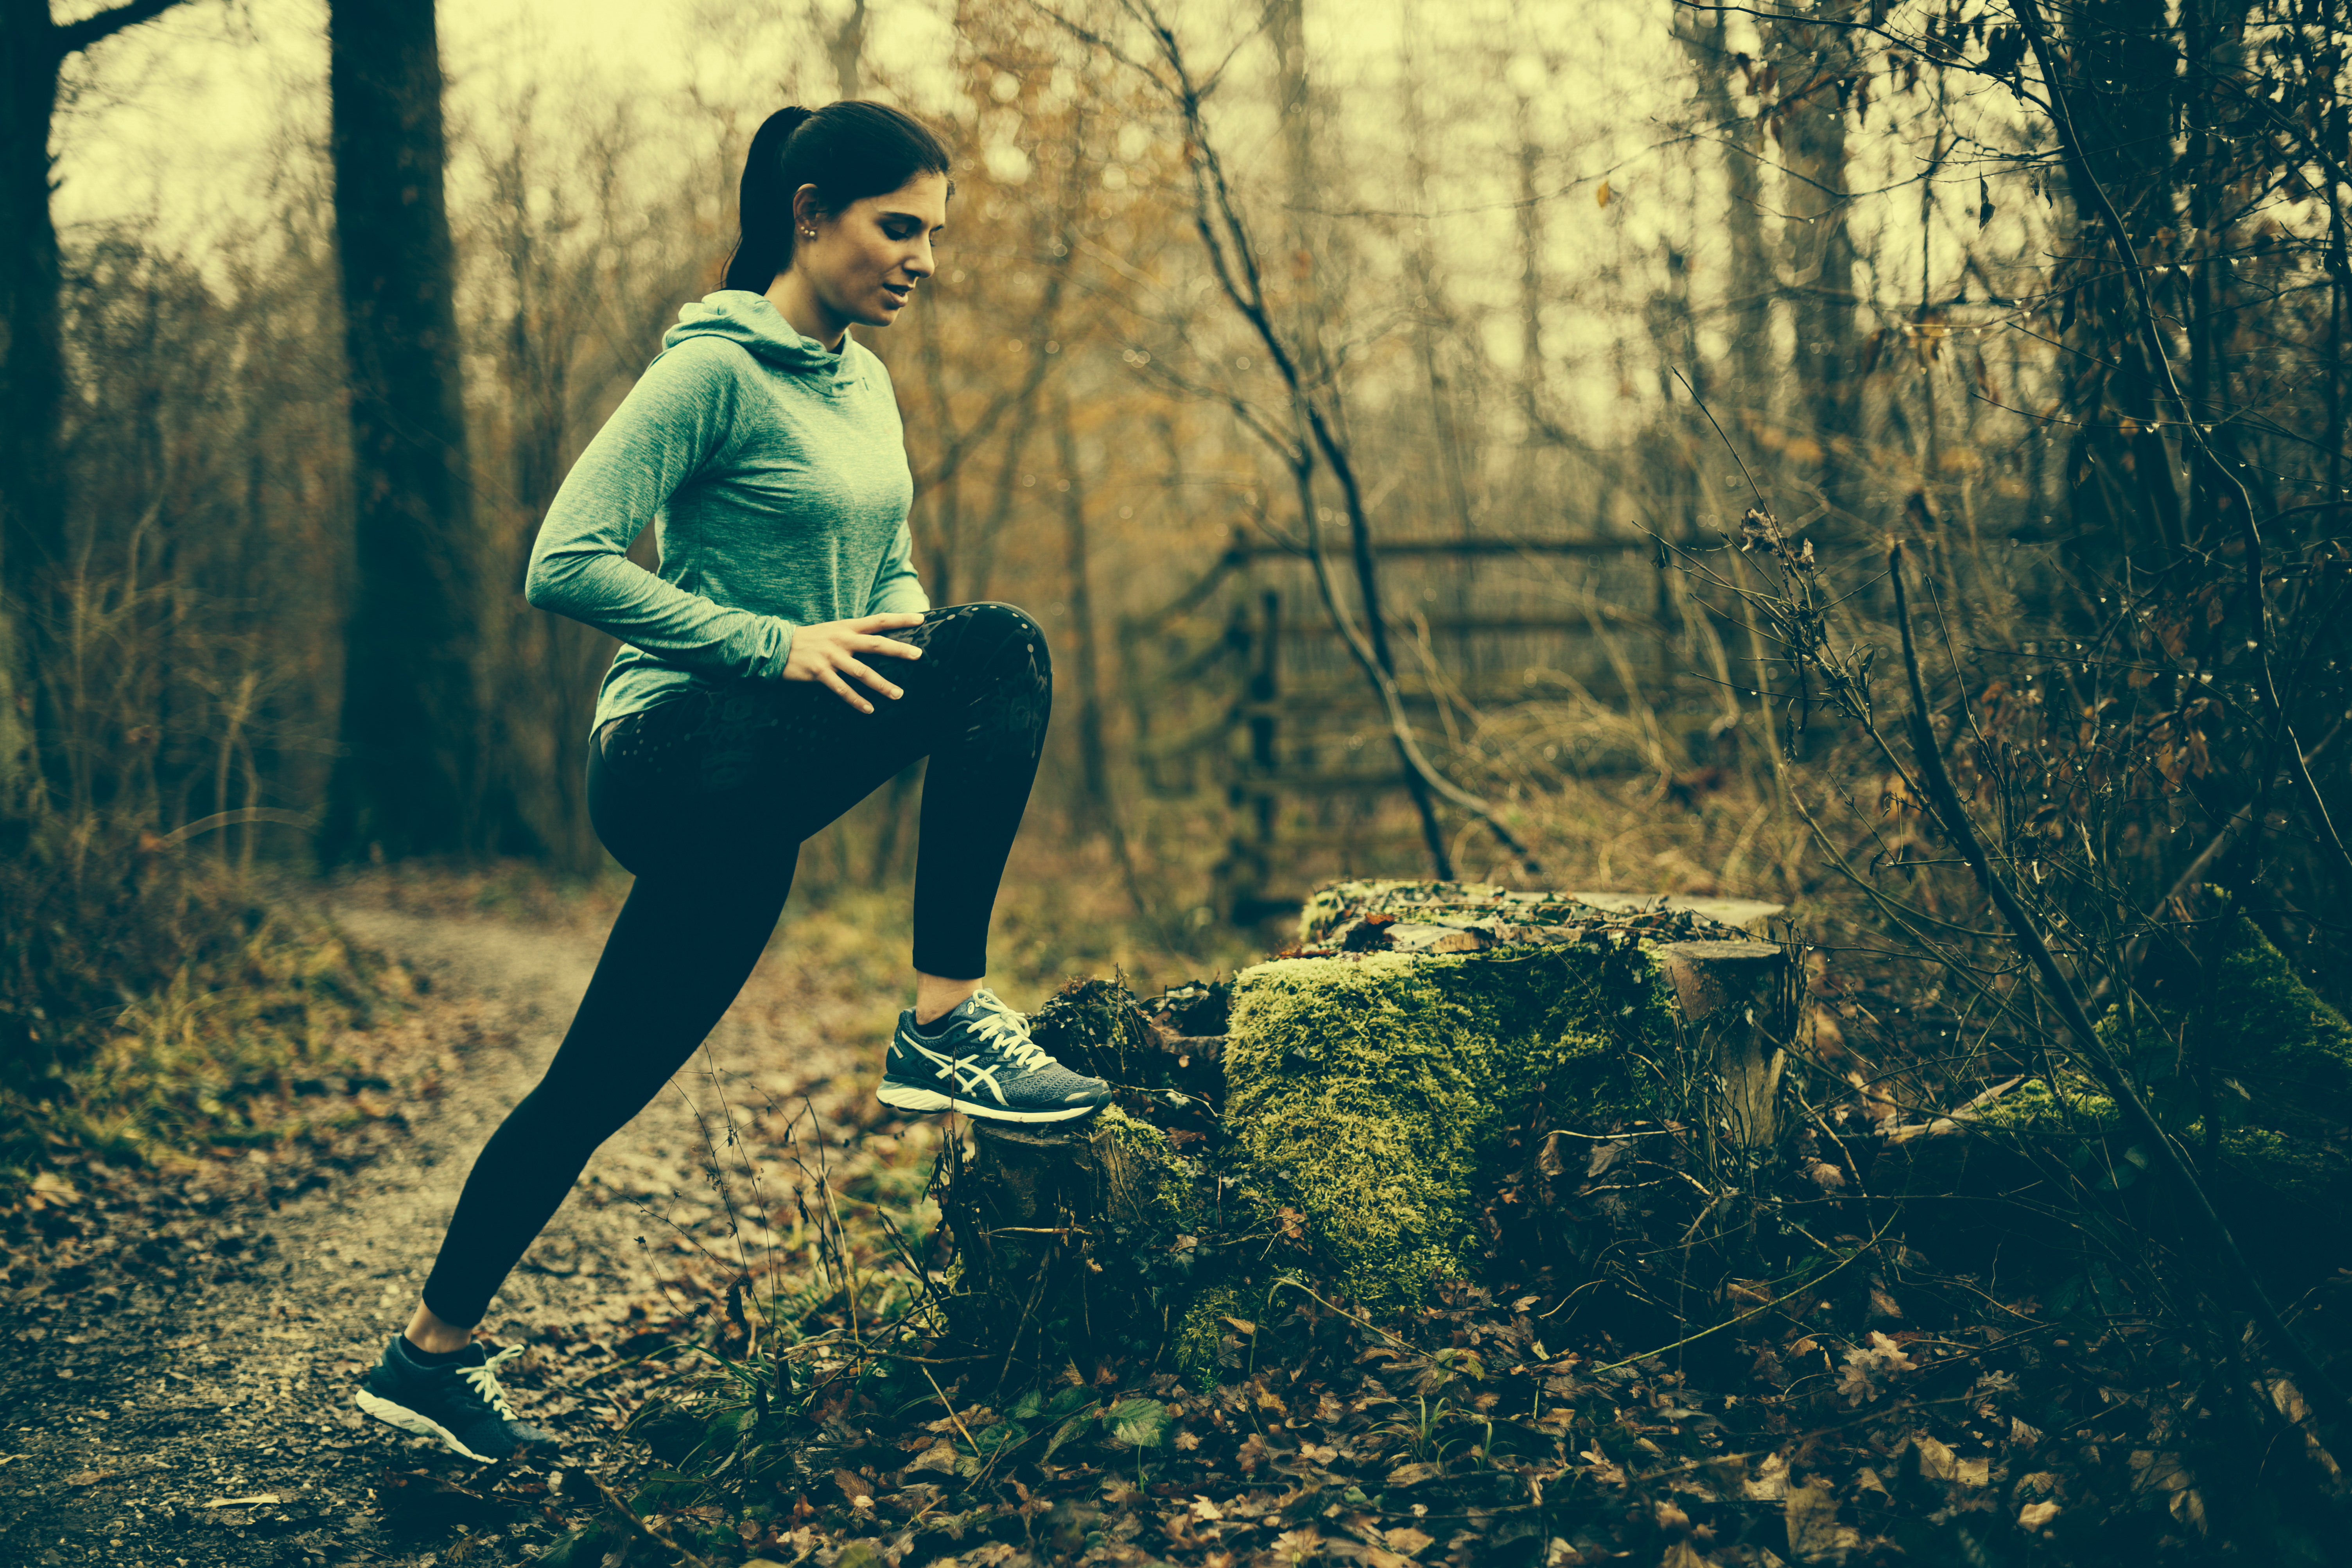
969, 1072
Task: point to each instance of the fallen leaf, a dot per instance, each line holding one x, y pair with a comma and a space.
1771, 1481
1936, 1461
1205, 1512
1297, 1545
1815, 1532
1408, 1540
1411, 1475
2034, 1515
1603, 1470
853, 1486
940, 1455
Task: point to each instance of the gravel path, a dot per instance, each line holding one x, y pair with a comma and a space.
211, 1354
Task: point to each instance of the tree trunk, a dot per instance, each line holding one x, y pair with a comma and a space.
32, 377
1822, 255
1094, 766
32, 384
1749, 283
409, 776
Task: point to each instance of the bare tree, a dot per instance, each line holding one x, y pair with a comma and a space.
33, 52
408, 781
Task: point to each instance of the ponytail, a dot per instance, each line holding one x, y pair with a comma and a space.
848, 150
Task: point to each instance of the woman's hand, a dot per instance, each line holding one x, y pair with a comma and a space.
830, 650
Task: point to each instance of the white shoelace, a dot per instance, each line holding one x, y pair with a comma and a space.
484, 1380
1005, 1029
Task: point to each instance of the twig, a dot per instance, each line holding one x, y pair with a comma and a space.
646, 1531
2028, 19
2093, 1051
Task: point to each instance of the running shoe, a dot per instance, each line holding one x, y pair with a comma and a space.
460, 1402
978, 1058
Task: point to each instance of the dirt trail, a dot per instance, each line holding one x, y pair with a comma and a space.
130, 1408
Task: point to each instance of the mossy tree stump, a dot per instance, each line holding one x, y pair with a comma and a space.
1376, 1070
1355, 1105
1074, 1240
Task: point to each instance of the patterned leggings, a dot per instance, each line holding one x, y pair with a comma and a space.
706, 799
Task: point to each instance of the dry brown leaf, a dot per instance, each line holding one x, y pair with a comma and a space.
1815, 1532
1408, 1540
1302, 1545
2034, 1515
940, 1455
1936, 1461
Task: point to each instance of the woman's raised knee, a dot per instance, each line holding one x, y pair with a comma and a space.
1008, 622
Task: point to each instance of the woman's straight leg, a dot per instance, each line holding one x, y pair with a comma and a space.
679, 952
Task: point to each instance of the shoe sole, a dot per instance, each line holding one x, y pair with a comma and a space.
906, 1097
408, 1420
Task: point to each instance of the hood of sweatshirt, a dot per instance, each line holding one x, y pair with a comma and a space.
742, 317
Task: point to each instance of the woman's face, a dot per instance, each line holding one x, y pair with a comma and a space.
865, 261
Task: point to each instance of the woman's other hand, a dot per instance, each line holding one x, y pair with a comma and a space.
830, 652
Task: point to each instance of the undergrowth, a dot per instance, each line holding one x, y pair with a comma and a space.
151, 1007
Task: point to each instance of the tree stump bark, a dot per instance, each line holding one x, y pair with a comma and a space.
1074, 1240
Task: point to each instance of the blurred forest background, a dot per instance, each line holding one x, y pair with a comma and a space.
1367, 400
1881, 457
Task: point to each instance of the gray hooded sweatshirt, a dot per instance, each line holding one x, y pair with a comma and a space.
775, 476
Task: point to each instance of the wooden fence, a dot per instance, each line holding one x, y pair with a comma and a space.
1241, 684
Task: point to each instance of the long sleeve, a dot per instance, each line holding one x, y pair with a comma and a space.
672, 421
896, 586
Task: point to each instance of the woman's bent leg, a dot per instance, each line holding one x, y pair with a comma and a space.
679, 952
976, 787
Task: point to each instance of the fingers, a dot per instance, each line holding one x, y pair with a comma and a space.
851, 666
840, 688
887, 619
891, 645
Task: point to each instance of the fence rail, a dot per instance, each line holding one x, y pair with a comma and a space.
1247, 687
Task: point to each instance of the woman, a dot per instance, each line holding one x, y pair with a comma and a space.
783, 662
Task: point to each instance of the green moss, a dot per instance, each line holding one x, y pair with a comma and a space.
1157, 1192
2259, 1051
2264, 1029
1377, 1090
1194, 1350
2076, 1106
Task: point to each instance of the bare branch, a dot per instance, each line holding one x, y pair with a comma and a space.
72, 37
2091, 1051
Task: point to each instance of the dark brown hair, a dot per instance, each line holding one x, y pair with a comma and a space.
848, 150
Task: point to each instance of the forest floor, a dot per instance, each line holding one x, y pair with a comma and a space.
176, 1379
178, 1351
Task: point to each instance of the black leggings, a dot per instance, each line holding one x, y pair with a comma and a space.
706, 799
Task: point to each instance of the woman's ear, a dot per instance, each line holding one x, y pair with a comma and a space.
807, 210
